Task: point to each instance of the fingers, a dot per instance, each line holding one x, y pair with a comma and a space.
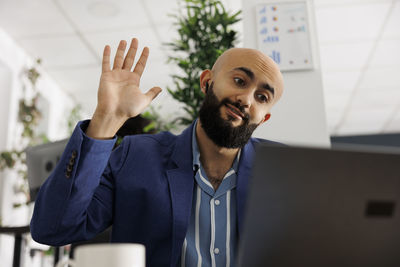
130, 56
127, 63
119, 56
141, 64
105, 65
153, 92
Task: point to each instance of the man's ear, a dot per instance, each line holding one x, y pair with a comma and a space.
205, 78
267, 116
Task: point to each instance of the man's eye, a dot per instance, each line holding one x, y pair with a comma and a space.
262, 98
239, 81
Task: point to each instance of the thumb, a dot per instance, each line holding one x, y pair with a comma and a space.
153, 92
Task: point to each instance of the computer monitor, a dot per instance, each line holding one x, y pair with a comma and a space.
322, 207
41, 160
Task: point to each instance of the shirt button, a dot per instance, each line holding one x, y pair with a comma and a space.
216, 250
217, 202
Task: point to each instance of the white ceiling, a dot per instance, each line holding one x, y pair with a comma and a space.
359, 50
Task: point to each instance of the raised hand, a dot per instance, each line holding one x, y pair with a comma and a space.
119, 96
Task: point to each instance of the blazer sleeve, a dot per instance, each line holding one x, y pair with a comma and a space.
76, 201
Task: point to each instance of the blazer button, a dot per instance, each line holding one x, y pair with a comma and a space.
68, 174
71, 161
74, 154
69, 168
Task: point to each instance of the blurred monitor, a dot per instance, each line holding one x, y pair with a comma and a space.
41, 161
322, 207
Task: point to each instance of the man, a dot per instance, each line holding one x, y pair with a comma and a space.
182, 196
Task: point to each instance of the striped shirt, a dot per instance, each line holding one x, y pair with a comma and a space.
211, 238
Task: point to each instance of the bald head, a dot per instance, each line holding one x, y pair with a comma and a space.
254, 60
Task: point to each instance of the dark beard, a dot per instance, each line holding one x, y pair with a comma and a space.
220, 131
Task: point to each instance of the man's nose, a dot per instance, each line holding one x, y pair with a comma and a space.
245, 98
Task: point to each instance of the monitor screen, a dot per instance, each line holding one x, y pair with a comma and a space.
41, 161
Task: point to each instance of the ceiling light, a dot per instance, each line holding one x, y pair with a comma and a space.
103, 9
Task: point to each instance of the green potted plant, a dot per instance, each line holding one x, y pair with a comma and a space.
205, 32
29, 116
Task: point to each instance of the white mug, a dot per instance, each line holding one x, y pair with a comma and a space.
107, 255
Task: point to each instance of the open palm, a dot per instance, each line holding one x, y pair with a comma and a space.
119, 91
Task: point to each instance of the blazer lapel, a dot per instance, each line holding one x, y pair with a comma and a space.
181, 182
244, 172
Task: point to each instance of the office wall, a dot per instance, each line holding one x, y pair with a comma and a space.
5, 83
299, 118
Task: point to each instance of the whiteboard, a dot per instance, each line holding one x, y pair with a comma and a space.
283, 34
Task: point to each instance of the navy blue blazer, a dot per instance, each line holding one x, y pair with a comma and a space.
143, 188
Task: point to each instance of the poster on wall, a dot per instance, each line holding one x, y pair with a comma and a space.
283, 34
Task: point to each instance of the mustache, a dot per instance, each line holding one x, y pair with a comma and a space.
237, 105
